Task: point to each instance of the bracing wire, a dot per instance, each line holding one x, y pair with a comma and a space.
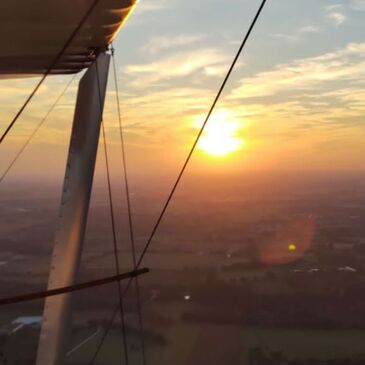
71, 288
115, 248
104, 336
50, 68
129, 208
76, 287
39, 125
181, 173
215, 101
119, 277
112, 217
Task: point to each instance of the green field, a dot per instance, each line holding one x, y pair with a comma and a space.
303, 344
183, 338
181, 341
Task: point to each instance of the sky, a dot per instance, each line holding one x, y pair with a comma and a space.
295, 101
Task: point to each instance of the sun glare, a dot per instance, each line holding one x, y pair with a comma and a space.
220, 136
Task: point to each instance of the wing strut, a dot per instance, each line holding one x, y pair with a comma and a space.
72, 219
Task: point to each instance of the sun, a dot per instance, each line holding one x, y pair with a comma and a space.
218, 144
220, 136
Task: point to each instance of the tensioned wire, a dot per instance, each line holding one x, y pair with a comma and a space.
129, 207
112, 217
50, 68
71, 288
118, 277
181, 173
39, 125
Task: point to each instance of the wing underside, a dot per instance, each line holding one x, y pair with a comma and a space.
35, 31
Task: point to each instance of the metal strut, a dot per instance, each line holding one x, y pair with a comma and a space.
77, 186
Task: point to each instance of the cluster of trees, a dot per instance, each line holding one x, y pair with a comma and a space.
321, 300
153, 336
257, 356
326, 310
281, 313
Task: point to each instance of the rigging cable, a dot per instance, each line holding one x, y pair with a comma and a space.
52, 65
243, 44
112, 216
105, 334
2, 177
129, 208
159, 219
71, 288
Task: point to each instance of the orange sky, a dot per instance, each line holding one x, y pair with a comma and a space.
296, 99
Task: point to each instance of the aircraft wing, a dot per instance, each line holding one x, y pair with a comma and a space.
33, 33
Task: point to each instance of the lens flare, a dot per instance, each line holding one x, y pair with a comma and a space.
289, 242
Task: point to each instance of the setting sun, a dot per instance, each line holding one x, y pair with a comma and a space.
220, 136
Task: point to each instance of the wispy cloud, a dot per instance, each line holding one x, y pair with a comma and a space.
358, 4
335, 14
157, 44
323, 93
310, 29
287, 37
305, 74
145, 12
299, 34
160, 117
207, 61
147, 6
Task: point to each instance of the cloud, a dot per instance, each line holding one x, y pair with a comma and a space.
296, 37
168, 101
347, 64
358, 4
145, 12
147, 6
335, 15
150, 115
161, 43
287, 37
310, 29
208, 61
324, 93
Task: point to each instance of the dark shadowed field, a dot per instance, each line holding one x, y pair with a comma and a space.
259, 272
